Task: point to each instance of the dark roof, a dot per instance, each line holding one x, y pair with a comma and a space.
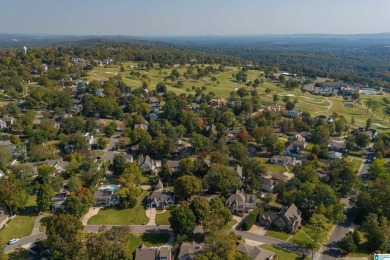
101, 194
189, 249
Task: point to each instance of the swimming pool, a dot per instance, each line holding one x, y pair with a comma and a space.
368, 91
109, 187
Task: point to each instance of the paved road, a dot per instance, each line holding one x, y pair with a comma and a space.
109, 153
332, 251
24, 241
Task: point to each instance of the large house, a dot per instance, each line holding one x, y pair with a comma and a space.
288, 219
189, 251
293, 113
106, 198
159, 199
153, 253
146, 163
255, 252
241, 203
284, 160
6, 122
89, 139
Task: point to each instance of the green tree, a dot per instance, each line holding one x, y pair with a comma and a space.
275, 98
108, 244
186, 167
377, 232
131, 175
318, 227
75, 206
64, 237
13, 193
186, 186
45, 194
5, 156
128, 196
182, 220
238, 150
118, 165
362, 140
347, 243
221, 179
201, 208
378, 169
74, 183
253, 170
320, 135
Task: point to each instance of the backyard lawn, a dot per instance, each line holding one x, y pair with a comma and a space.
113, 216
148, 239
281, 254
163, 218
22, 224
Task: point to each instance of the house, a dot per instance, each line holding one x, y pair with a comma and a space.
106, 198
152, 100
284, 160
153, 117
146, 163
57, 202
173, 165
99, 92
336, 146
89, 139
288, 219
255, 252
335, 155
107, 61
217, 102
241, 203
372, 133
293, 113
267, 184
324, 118
189, 251
153, 253
159, 199
1, 174
58, 167
142, 126
6, 122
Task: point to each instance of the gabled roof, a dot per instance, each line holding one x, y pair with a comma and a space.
292, 213
255, 252
189, 249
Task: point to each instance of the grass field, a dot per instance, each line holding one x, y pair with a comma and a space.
314, 104
147, 239
113, 216
356, 162
277, 234
281, 254
301, 239
163, 218
21, 225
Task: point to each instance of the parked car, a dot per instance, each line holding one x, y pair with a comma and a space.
13, 241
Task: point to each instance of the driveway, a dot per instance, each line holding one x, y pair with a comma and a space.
92, 212
151, 214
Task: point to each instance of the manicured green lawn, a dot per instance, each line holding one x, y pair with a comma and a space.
148, 239
113, 216
21, 225
276, 168
281, 254
301, 239
356, 163
163, 218
277, 234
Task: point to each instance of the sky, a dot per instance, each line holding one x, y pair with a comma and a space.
194, 17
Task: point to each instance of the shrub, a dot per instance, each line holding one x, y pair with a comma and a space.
250, 219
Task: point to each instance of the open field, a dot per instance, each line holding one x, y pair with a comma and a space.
113, 216
314, 104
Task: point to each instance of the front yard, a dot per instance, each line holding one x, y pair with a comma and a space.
278, 234
281, 254
163, 218
114, 216
22, 224
147, 239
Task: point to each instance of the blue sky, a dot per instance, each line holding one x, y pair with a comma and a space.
196, 17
